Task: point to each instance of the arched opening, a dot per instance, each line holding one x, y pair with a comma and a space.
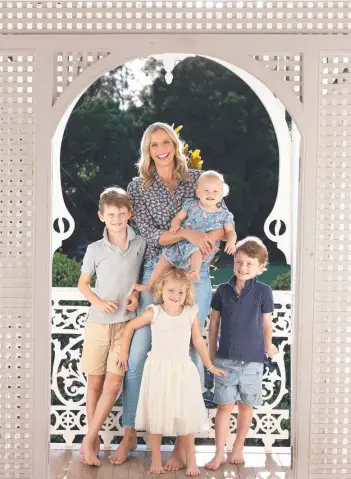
288, 147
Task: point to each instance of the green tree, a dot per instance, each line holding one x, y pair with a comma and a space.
65, 271
221, 116
282, 282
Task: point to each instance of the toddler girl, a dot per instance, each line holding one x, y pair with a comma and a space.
170, 400
203, 214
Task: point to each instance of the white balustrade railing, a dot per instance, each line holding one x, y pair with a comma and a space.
68, 425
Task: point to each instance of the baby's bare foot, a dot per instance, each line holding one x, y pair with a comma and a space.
215, 463
143, 287
194, 275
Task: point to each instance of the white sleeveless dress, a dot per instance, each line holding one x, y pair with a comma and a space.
170, 400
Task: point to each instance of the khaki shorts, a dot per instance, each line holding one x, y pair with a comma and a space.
102, 344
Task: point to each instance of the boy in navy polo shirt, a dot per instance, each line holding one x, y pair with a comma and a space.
243, 308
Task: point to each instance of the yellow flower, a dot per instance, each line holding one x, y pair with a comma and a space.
185, 149
177, 130
195, 160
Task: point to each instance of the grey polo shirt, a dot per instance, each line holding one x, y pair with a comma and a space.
241, 320
116, 273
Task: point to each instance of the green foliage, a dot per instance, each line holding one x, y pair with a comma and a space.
65, 271
221, 115
282, 282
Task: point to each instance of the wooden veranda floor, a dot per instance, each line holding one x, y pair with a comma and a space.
65, 464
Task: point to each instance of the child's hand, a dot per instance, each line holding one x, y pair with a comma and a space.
107, 306
272, 351
217, 372
132, 302
122, 361
175, 225
230, 247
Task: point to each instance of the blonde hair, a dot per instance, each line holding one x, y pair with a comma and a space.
179, 275
214, 175
254, 248
146, 164
114, 196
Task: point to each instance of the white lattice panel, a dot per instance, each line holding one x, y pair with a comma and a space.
16, 209
176, 15
68, 383
69, 65
289, 68
331, 410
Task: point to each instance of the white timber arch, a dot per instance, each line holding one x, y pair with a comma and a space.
32, 33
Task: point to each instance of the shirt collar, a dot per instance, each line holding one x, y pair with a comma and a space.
130, 236
249, 284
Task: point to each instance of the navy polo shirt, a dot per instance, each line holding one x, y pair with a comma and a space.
241, 320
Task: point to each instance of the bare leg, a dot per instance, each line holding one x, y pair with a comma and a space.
244, 423
94, 390
158, 271
156, 460
195, 265
224, 412
191, 467
128, 443
178, 459
111, 388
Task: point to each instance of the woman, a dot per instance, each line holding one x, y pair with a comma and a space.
157, 195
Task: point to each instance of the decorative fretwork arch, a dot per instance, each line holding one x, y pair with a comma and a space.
32, 34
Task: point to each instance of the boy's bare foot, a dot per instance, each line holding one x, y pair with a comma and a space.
121, 454
156, 468
96, 450
192, 469
216, 462
143, 287
194, 275
174, 463
87, 451
236, 456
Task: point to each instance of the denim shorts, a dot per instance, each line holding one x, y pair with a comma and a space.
242, 383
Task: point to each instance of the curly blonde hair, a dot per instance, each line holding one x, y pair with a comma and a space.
178, 275
214, 175
146, 164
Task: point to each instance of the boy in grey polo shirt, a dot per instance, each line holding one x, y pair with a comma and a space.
243, 308
116, 259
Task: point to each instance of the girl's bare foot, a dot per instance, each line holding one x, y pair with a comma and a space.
192, 469
121, 454
215, 463
174, 463
237, 456
156, 468
88, 453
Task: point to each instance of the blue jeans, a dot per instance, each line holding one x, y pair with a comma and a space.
141, 343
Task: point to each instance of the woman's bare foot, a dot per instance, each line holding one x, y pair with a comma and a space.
156, 468
216, 462
128, 443
236, 456
174, 463
192, 469
147, 288
88, 454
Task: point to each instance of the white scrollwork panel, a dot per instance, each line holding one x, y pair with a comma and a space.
68, 383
